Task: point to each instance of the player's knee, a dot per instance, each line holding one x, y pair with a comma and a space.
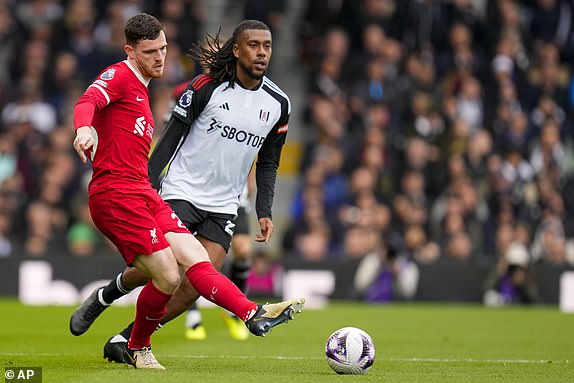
132, 278
168, 281
242, 251
217, 258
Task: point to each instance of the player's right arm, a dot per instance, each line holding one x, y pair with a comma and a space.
83, 141
84, 111
98, 95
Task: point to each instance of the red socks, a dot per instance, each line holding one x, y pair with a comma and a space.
219, 289
150, 309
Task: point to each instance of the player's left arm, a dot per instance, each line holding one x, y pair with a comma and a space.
268, 160
189, 105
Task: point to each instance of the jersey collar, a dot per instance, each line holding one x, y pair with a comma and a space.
243, 86
137, 73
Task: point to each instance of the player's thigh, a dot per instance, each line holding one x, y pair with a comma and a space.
161, 266
241, 246
187, 249
217, 228
241, 222
127, 219
132, 278
213, 230
215, 251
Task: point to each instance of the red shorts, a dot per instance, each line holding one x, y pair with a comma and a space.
134, 220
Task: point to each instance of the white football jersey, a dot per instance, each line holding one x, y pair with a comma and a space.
228, 127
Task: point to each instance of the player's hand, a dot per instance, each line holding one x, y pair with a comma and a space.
266, 230
83, 141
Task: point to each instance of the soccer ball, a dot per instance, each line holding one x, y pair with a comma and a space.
350, 350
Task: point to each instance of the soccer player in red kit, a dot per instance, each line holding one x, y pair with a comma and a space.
114, 127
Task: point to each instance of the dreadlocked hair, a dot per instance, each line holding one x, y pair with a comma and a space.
218, 60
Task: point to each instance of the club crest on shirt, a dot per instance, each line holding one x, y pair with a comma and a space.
153, 234
263, 115
108, 75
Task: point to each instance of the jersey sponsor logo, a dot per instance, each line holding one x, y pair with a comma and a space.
232, 133
283, 129
264, 115
108, 75
140, 126
213, 126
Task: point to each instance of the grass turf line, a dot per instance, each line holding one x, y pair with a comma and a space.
414, 343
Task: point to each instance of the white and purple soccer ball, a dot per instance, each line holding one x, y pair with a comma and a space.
350, 350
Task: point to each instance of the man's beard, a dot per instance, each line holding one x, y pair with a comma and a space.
249, 71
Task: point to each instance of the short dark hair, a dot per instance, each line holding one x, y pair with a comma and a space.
142, 27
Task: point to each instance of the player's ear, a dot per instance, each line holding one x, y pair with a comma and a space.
236, 51
129, 51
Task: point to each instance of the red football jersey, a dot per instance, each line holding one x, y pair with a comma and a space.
123, 128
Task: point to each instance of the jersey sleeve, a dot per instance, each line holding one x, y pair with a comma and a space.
189, 104
268, 162
193, 99
175, 131
107, 88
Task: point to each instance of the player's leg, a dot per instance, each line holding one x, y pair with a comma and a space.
201, 274
241, 249
259, 319
194, 329
102, 297
183, 297
216, 287
192, 256
214, 230
128, 220
162, 268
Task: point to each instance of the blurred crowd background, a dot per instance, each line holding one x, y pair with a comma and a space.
433, 131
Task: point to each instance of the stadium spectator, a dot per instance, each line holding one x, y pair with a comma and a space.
384, 275
265, 279
511, 281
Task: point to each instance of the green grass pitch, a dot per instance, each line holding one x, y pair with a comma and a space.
414, 343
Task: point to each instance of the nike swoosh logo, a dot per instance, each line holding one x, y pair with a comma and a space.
148, 318
139, 99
